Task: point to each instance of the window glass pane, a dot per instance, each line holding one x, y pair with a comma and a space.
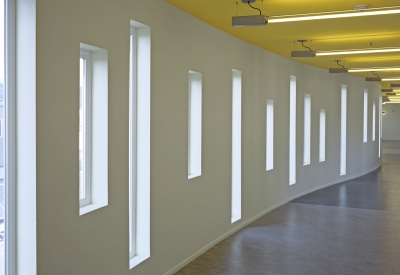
2, 160
81, 93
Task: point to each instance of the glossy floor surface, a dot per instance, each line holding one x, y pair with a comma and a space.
348, 228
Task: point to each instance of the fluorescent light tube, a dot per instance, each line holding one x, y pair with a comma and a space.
373, 70
331, 15
357, 51
391, 79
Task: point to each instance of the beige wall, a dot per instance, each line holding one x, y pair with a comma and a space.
186, 215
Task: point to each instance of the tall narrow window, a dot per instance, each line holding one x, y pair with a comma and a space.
373, 121
322, 132
307, 130
292, 131
380, 126
195, 95
85, 115
93, 128
3, 203
270, 135
343, 128
365, 135
139, 144
236, 145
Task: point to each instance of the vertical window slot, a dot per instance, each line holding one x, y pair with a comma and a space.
236, 145
139, 144
365, 135
93, 129
373, 121
195, 96
343, 128
307, 130
322, 133
292, 131
270, 135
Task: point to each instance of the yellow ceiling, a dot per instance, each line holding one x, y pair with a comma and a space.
328, 34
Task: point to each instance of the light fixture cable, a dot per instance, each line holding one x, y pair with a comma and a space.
337, 62
302, 43
248, 2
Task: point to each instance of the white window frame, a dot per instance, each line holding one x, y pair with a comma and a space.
307, 130
292, 130
236, 204
365, 125
322, 134
343, 130
87, 127
95, 138
195, 124
139, 143
373, 121
269, 135
10, 228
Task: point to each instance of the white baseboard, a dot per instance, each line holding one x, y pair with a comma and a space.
256, 217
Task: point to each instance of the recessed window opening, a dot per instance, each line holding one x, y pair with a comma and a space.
307, 130
195, 97
93, 128
270, 135
322, 133
373, 121
85, 101
365, 135
139, 144
236, 146
343, 128
292, 131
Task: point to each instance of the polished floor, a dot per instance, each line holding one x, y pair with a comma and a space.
349, 228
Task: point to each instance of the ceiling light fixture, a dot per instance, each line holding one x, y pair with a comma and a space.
334, 14
250, 20
376, 78
301, 54
338, 70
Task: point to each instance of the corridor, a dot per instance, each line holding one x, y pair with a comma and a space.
348, 228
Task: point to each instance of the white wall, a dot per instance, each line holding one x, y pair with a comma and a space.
391, 122
186, 215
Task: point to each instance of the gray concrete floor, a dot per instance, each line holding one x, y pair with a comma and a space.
349, 228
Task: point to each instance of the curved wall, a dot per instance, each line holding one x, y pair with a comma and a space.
187, 216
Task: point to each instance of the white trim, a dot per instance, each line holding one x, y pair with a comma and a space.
254, 218
10, 137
